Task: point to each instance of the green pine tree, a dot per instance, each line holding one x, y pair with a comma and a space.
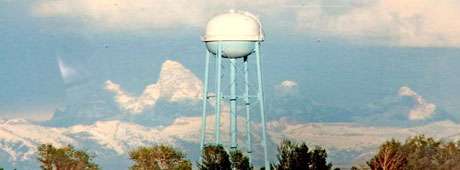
298, 156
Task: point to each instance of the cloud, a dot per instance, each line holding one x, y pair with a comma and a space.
286, 87
125, 14
422, 109
288, 84
417, 23
413, 23
140, 15
176, 84
67, 72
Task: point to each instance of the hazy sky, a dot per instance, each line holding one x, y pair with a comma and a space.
345, 53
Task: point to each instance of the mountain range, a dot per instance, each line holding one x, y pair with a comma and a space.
108, 120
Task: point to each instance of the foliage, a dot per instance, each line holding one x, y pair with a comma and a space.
163, 157
391, 156
240, 161
297, 156
419, 152
65, 158
214, 157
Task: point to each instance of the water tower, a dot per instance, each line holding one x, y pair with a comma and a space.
234, 36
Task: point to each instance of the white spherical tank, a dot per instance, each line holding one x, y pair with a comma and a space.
236, 31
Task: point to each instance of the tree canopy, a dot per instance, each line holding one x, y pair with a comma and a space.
418, 152
159, 157
214, 157
239, 160
65, 158
298, 156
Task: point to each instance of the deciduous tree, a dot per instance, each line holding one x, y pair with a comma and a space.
65, 158
159, 157
418, 152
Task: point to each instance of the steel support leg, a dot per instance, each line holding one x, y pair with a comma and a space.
260, 96
233, 114
247, 105
218, 90
205, 101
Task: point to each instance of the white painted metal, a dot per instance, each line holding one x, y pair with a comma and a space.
234, 26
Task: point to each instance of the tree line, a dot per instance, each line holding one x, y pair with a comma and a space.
291, 155
415, 153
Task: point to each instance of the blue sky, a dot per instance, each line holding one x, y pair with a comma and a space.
346, 54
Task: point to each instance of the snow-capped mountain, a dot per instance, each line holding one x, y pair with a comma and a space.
111, 140
176, 84
107, 139
404, 108
177, 90
177, 93
22, 135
